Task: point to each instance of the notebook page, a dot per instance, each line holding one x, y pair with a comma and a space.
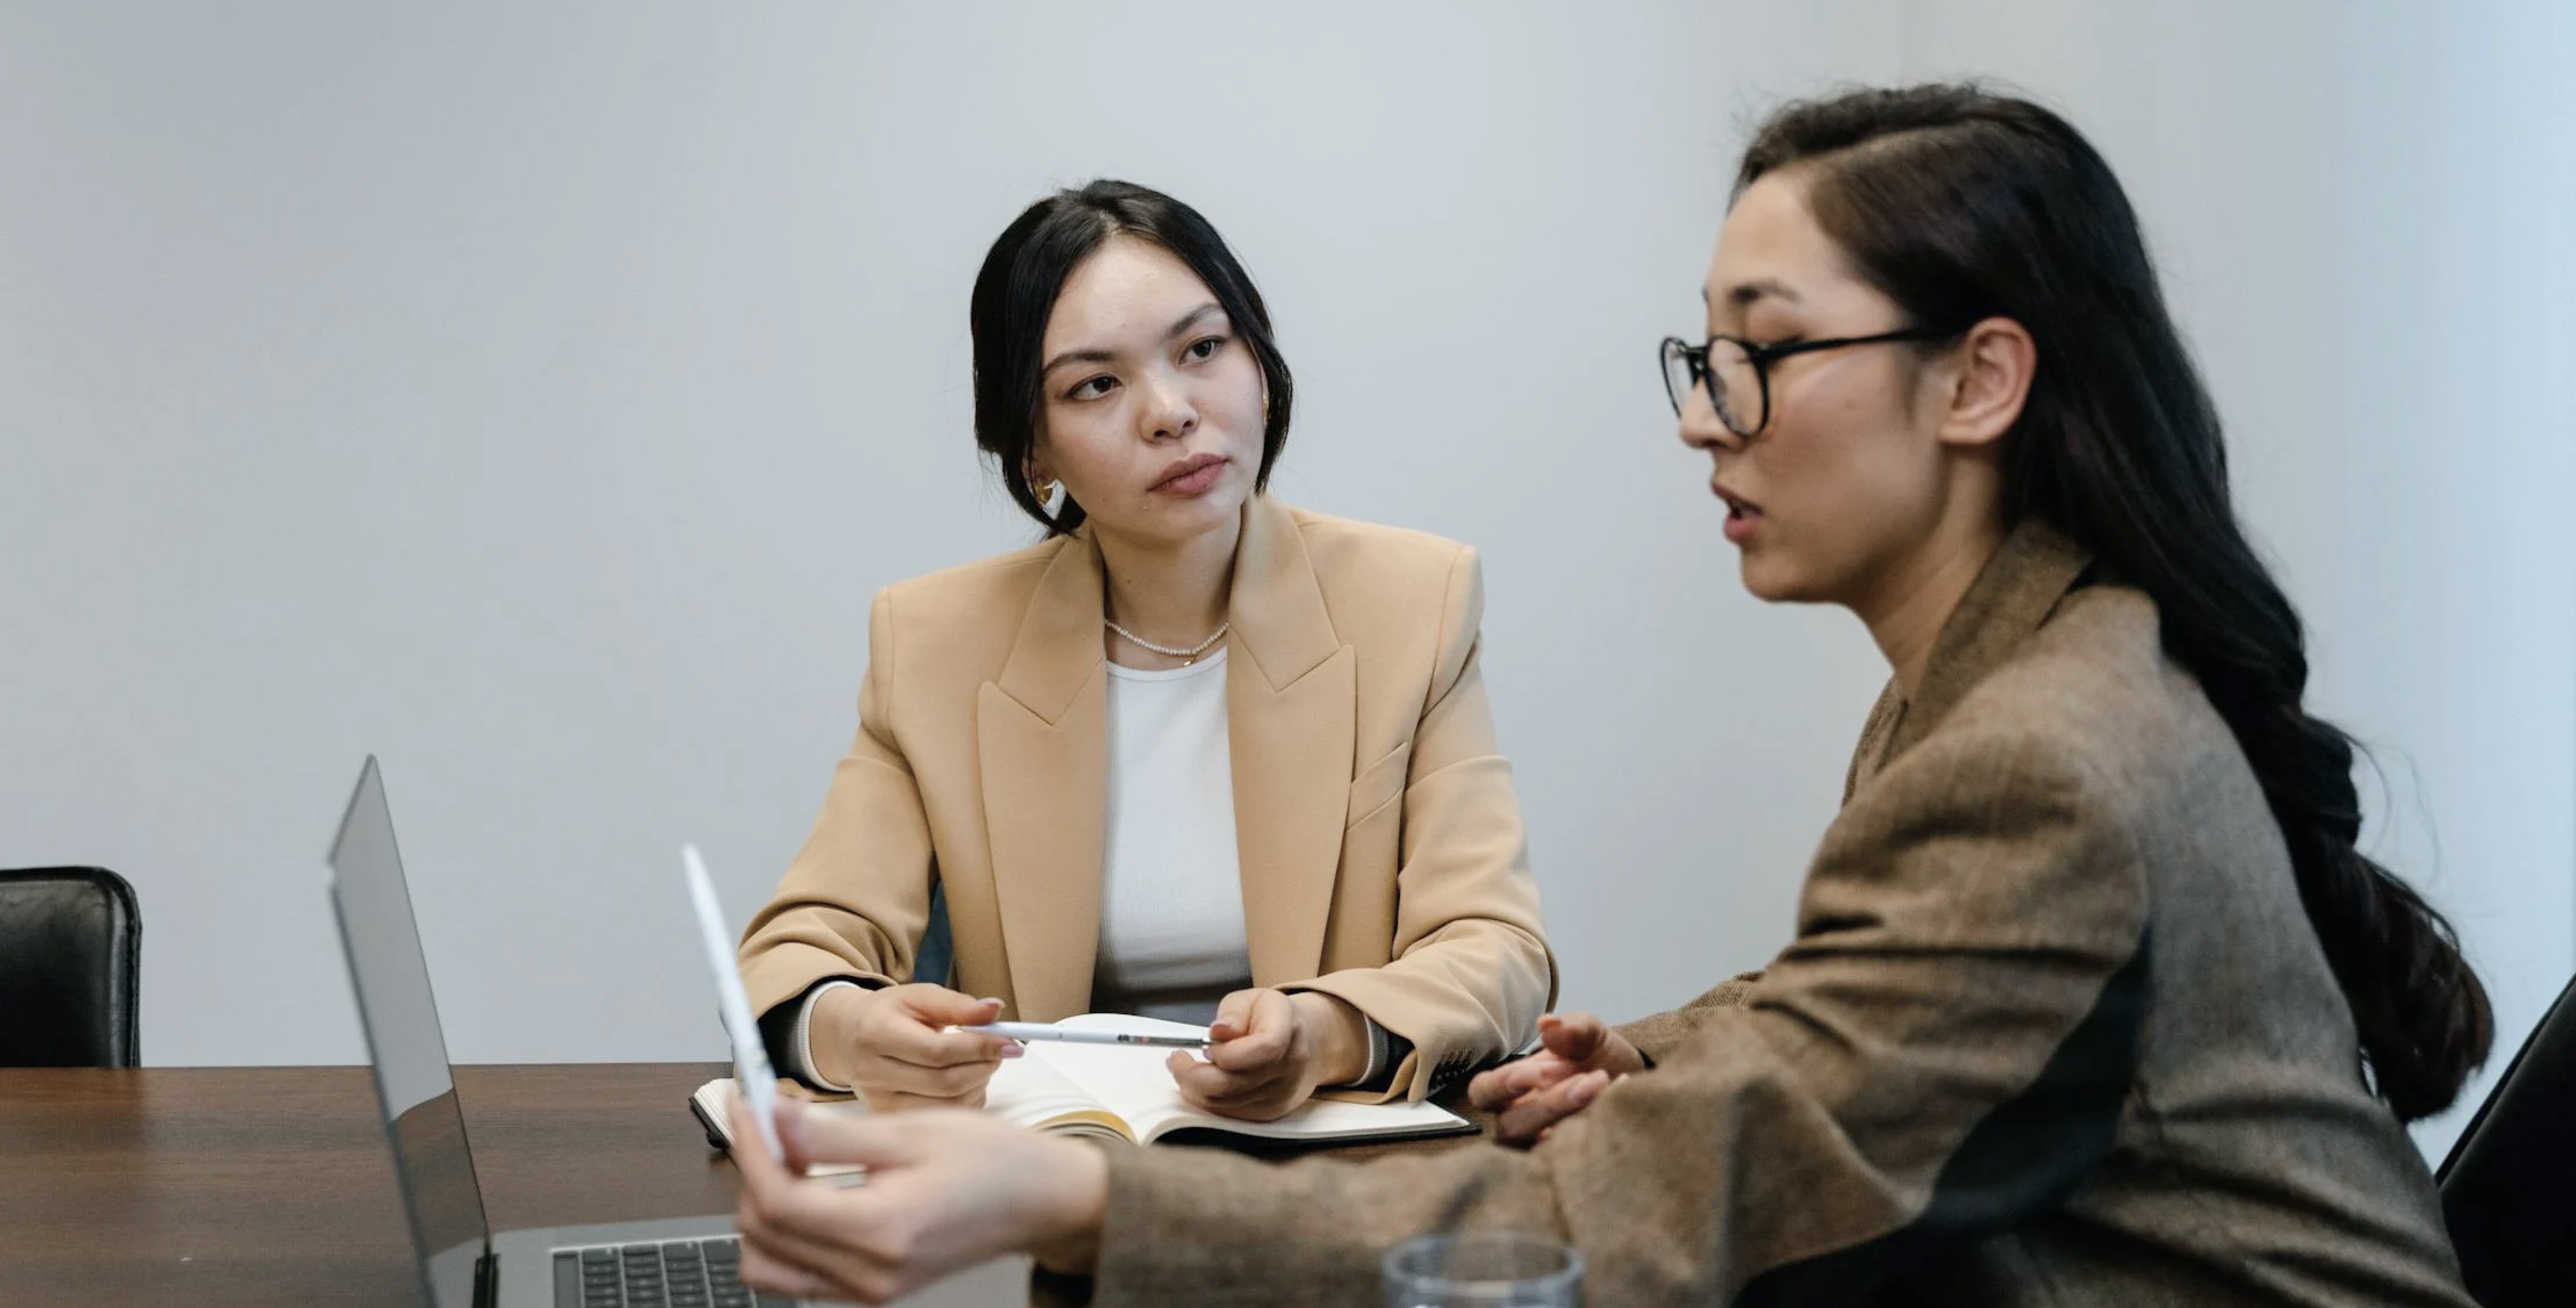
1026, 1091
1129, 1079
1136, 1086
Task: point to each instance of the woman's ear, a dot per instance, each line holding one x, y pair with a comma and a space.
1989, 382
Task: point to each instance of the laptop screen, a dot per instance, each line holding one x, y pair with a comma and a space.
413, 1085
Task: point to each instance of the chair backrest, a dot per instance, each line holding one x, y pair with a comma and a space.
2509, 1186
71, 951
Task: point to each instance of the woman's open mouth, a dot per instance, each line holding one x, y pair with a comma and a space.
1742, 515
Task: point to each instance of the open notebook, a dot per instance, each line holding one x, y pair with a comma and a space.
1111, 1092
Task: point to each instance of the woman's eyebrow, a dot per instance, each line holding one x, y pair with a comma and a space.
1743, 294
1077, 356
1191, 319
1094, 354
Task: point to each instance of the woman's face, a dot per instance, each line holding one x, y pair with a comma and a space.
1829, 499
1153, 410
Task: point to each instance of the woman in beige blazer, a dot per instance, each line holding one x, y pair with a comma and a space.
2092, 1000
1264, 731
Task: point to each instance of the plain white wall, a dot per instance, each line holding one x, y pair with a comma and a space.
2366, 218
534, 395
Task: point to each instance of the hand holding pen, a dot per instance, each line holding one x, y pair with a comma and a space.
908, 1046
1270, 1050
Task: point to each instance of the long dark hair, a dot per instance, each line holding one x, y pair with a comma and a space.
1961, 204
1016, 290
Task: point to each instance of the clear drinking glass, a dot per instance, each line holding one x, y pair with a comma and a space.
1482, 1271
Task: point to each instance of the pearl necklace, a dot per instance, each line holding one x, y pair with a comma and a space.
1186, 656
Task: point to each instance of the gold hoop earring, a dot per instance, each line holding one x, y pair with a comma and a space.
1045, 491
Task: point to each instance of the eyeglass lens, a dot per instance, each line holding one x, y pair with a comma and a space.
1732, 383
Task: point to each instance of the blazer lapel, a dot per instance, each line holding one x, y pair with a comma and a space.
1043, 734
1289, 722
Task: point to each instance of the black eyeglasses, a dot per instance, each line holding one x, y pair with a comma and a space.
1737, 373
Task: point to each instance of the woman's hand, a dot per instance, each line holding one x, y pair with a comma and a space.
890, 1046
1271, 1050
1579, 1058
944, 1191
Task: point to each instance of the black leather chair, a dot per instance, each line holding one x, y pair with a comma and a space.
71, 951
2509, 1186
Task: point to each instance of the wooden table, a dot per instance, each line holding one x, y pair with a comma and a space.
210, 1187
266, 1185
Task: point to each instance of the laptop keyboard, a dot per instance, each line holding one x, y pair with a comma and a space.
671, 1274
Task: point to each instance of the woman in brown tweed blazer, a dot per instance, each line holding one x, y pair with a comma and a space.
2092, 999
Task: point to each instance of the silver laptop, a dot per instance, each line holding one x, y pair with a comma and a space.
684, 1262
676, 1263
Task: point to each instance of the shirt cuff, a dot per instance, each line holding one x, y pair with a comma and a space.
1381, 1059
801, 1043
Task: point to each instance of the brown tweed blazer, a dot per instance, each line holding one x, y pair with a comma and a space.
2054, 1030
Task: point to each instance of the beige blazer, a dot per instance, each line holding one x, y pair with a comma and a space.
2054, 1029
1382, 857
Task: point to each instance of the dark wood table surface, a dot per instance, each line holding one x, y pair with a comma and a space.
210, 1186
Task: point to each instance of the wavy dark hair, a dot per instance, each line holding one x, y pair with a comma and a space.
1015, 293
1962, 204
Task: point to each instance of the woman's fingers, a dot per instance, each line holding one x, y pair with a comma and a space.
1233, 1015
1497, 1088
791, 1120
944, 1190
952, 1081
903, 1050
757, 1167
1261, 1102
1587, 1040
920, 1046
812, 1136
821, 1137
1255, 1067
940, 1006
1489, 1091
811, 1240
940, 1193
1260, 1095
1538, 1110
773, 1214
790, 1262
1256, 1033
1571, 1044
1207, 1081
1574, 1037
787, 1260
762, 1270
911, 1031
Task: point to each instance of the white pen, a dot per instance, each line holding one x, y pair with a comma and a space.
1080, 1036
752, 1077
